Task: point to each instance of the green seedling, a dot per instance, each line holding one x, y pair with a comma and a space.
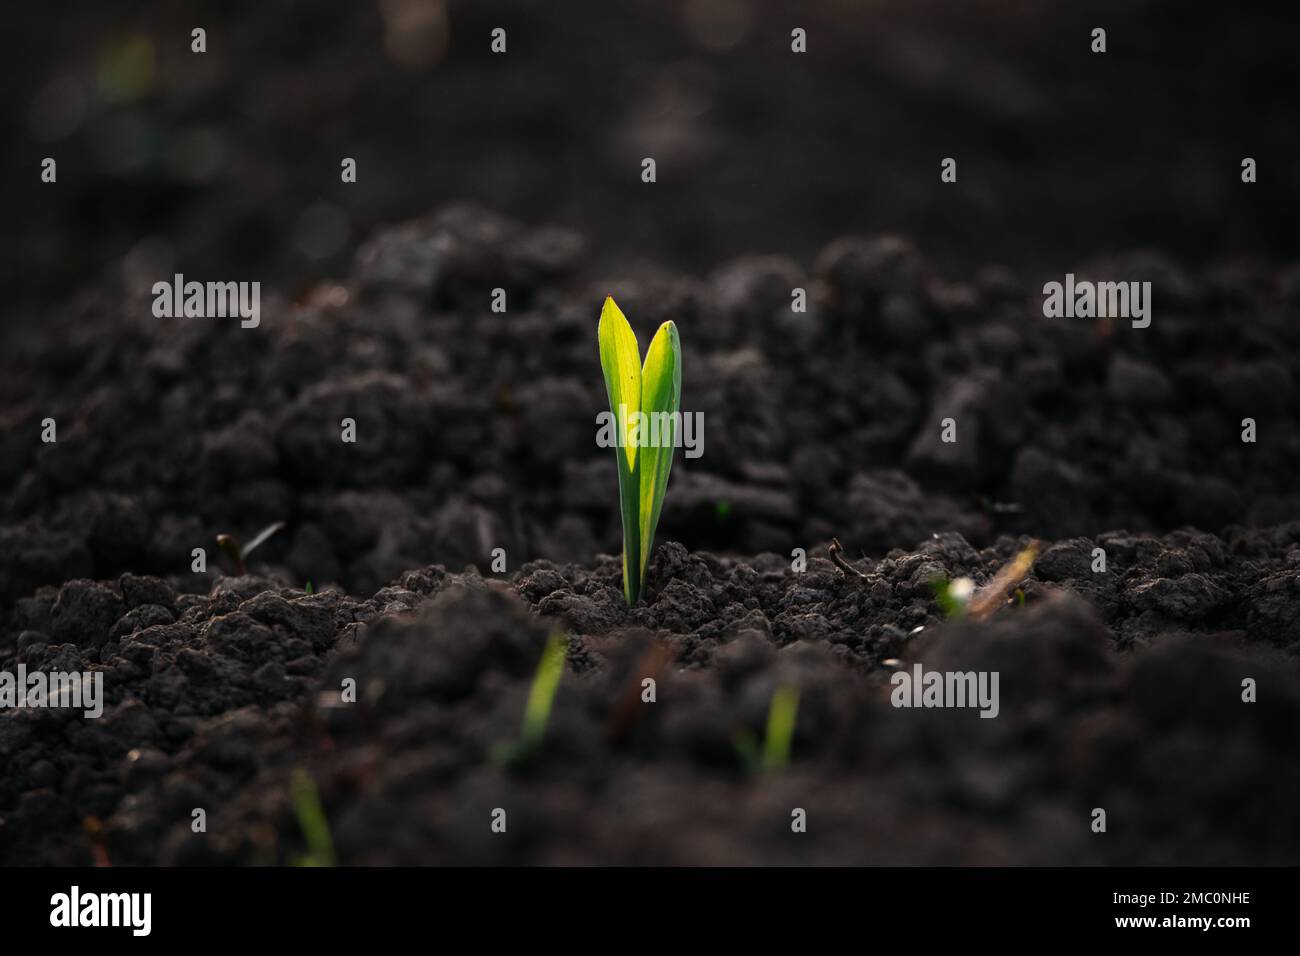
311, 818
541, 697
645, 402
310, 589
230, 545
782, 713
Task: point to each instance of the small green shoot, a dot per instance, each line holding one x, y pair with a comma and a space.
239, 555
541, 697
645, 401
781, 716
782, 713
311, 818
310, 589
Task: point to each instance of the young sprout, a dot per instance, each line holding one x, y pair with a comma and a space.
229, 544
645, 402
310, 589
541, 697
781, 715
311, 818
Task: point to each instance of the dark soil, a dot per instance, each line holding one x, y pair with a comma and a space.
229, 162
1119, 690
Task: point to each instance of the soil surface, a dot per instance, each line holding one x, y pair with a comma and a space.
1120, 689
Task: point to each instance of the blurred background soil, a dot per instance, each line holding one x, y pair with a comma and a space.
226, 164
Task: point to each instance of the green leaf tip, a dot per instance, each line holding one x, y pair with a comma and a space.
645, 401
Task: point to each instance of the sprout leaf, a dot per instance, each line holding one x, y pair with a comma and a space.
661, 398
645, 402
620, 357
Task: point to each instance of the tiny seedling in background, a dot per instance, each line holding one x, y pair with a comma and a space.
782, 713
229, 544
541, 697
310, 589
311, 818
781, 716
640, 395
